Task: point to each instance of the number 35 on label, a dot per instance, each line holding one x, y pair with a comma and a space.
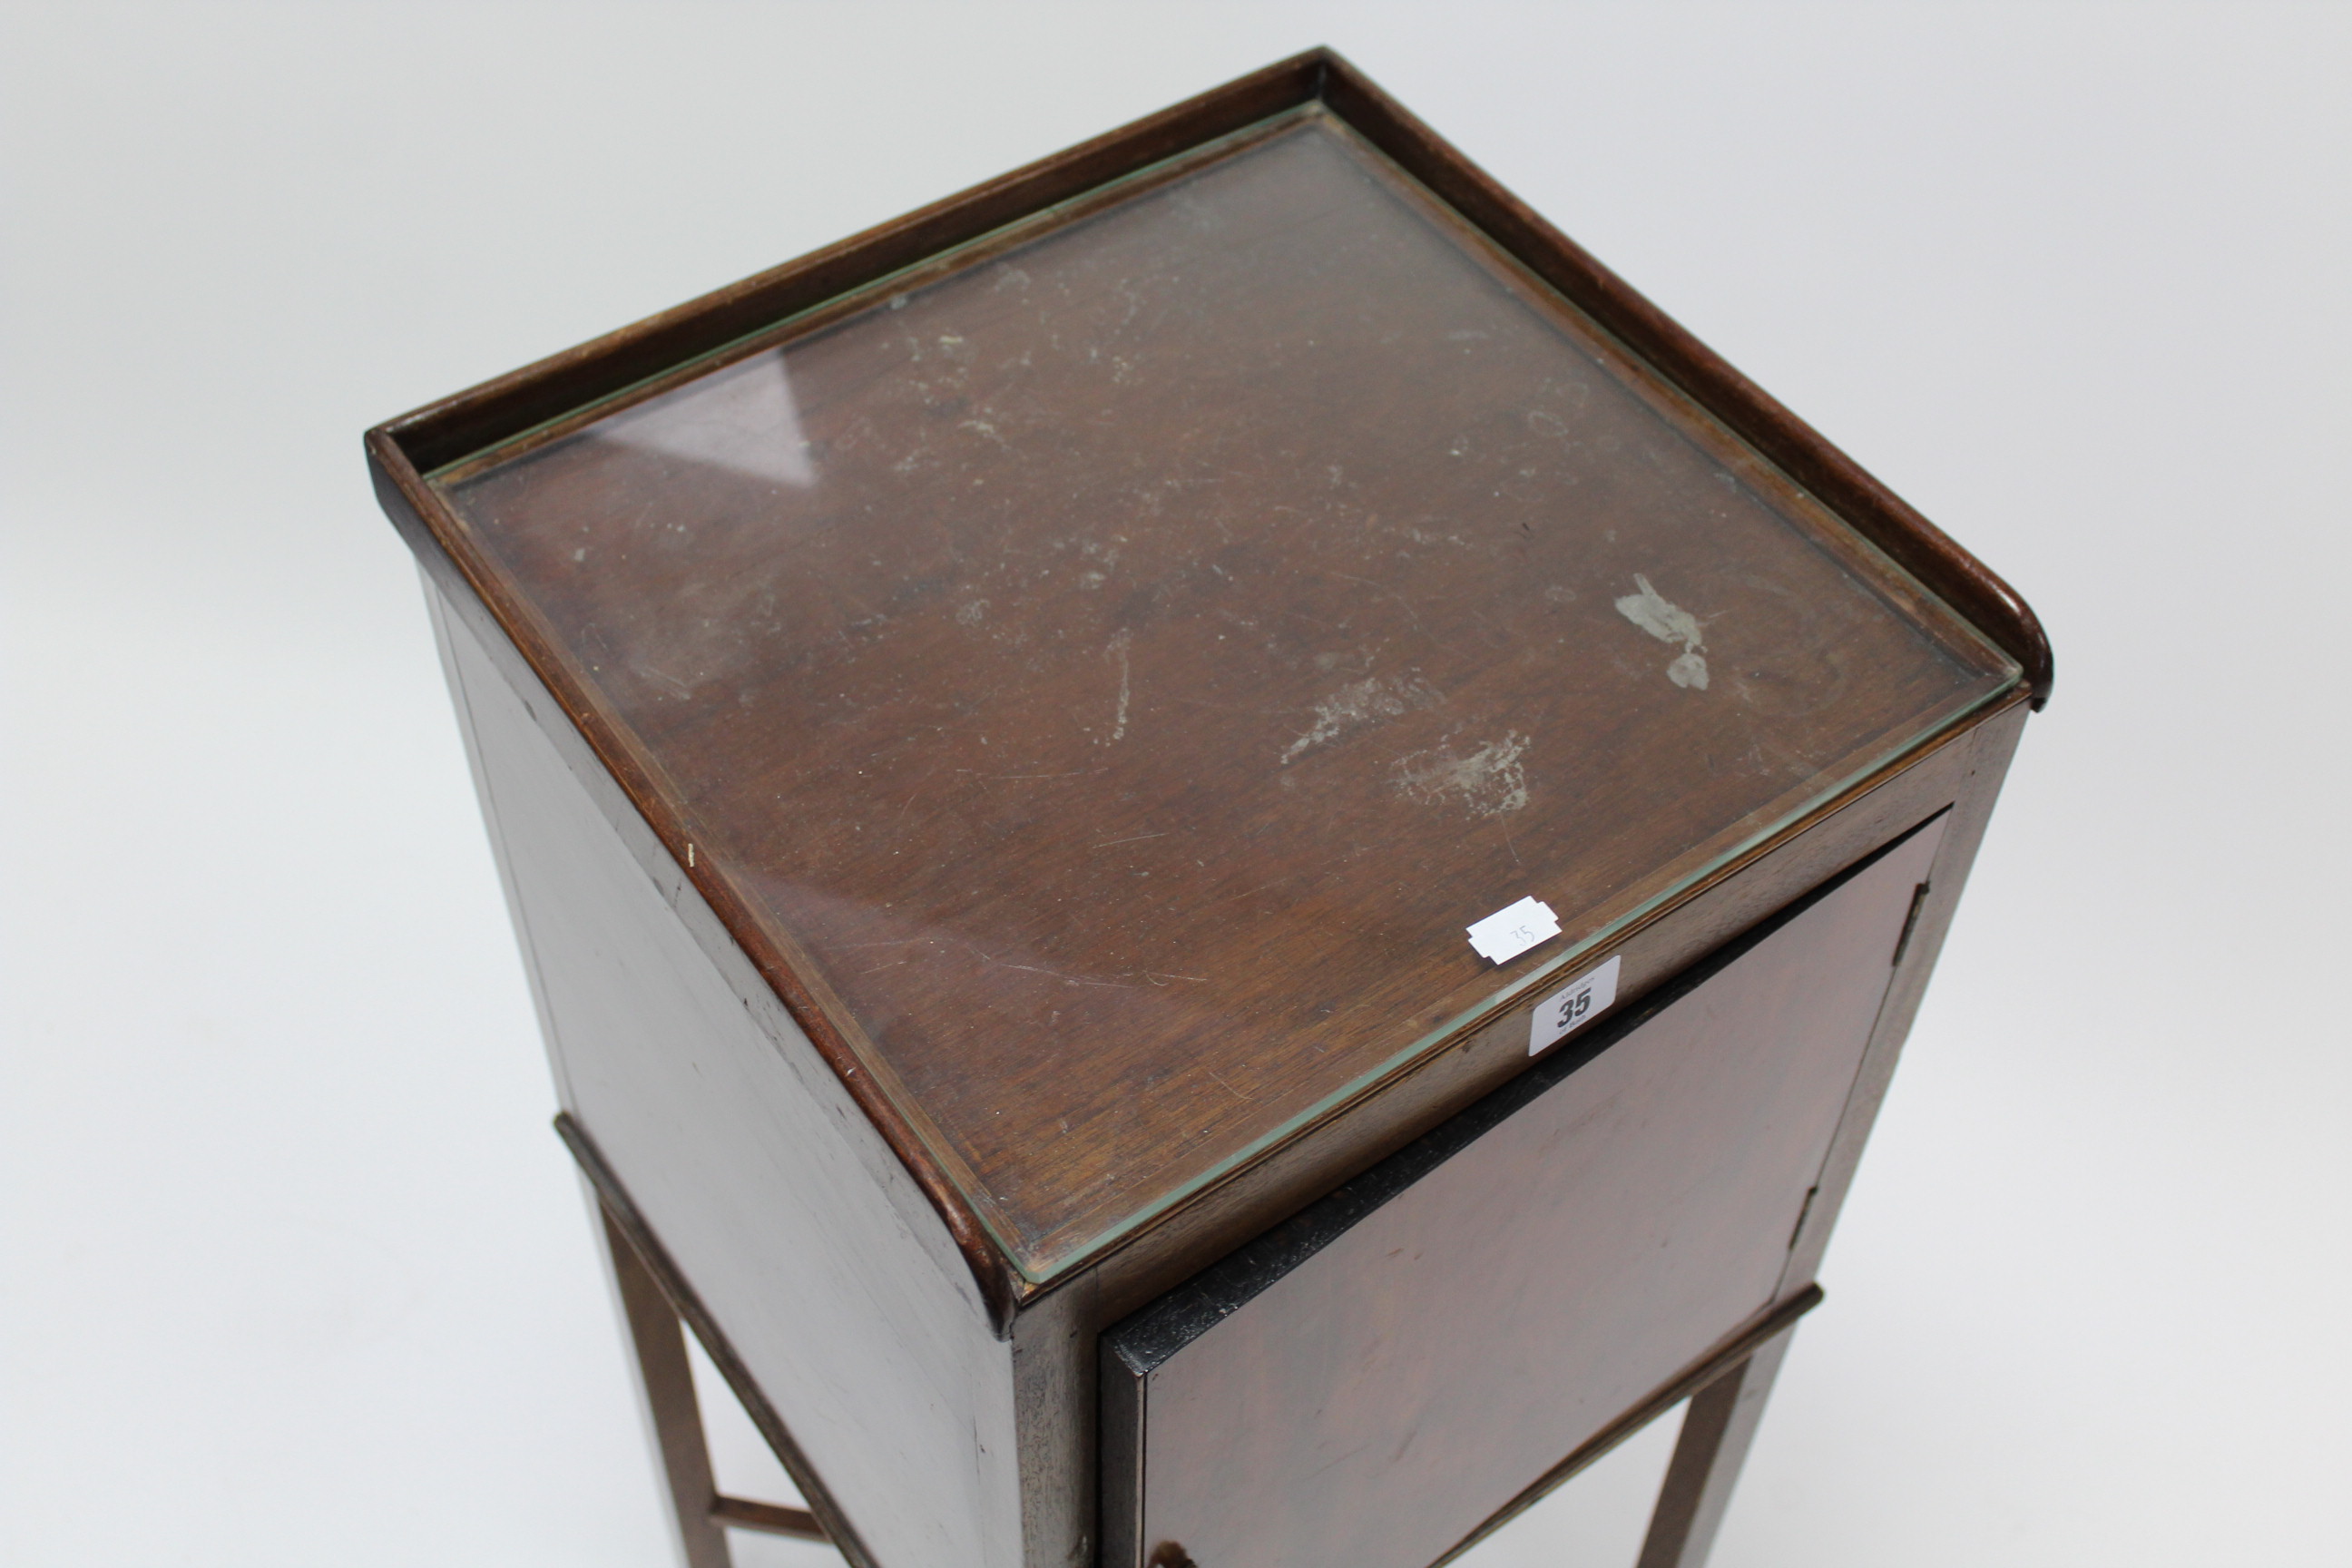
1572, 1006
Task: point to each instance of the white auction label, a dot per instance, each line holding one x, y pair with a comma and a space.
1507, 933
1572, 1006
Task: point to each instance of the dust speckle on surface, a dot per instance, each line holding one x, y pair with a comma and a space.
1359, 703
1668, 622
1488, 781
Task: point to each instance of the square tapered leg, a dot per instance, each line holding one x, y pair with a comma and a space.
1716, 1430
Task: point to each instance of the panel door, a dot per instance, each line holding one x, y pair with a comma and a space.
1370, 1381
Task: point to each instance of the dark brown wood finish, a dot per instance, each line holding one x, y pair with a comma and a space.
1166, 734
916, 1289
1801, 451
700, 1512
444, 431
401, 450
665, 1380
641, 1261
497, 409
1767, 1336
1995, 742
821, 1279
1716, 1433
1437, 1086
767, 1518
1054, 1334
1052, 1338
1369, 1380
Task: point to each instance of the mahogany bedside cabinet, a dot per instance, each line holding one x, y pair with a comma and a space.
1221, 856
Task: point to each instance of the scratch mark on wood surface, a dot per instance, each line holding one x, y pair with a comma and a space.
1118, 650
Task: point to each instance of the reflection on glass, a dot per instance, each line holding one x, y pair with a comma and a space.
740, 420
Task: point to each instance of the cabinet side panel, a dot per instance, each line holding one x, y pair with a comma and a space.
819, 1259
1395, 1388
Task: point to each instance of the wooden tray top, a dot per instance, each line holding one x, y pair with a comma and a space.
1114, 661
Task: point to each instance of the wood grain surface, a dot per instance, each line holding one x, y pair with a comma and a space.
1116, 670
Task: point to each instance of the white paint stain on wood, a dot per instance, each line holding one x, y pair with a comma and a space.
1488, 781
1668, 622
1357, 704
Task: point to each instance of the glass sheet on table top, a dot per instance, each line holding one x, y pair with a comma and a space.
1120, 661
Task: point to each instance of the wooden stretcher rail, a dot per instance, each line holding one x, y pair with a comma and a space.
1725, 1358
773, 1519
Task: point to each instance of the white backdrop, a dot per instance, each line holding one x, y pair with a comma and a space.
293, 1272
